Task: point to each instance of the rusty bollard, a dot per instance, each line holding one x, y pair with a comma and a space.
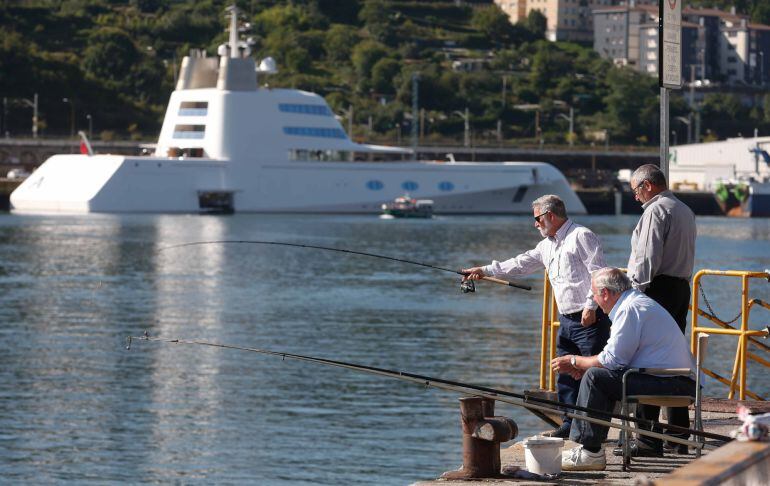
482, 435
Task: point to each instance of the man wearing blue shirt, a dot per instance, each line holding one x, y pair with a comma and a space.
643, 335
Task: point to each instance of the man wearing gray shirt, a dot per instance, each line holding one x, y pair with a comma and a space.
663, 244
663, 254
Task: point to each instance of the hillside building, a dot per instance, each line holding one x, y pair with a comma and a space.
567, 20
716, 46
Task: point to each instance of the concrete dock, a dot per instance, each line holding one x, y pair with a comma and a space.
726, 464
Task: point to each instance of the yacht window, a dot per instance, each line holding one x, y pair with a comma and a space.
321, 110
315, 132
189, 131
193, 108
319, 155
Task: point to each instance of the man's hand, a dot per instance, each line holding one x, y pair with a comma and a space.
561, 364
474, 273
588, 318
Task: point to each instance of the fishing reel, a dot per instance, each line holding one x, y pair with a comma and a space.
467, 286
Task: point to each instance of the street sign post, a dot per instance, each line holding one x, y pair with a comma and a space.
669, 66
670, 49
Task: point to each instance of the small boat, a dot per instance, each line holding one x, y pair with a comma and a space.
407, 207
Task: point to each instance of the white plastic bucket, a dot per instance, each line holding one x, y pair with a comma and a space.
542, 455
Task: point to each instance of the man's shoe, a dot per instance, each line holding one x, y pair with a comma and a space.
638, 449
562, 432
579, 459
676, 448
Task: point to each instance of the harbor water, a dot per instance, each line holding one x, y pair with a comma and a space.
76, 406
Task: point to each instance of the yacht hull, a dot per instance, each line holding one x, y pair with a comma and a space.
115, 184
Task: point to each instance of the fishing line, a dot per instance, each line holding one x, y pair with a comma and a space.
465, 286
542, 404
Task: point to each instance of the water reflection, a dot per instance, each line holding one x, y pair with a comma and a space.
74, 405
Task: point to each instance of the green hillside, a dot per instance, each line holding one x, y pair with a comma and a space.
116, 61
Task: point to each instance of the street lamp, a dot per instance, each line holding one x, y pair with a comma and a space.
687, 121
32, 104
466, 118
72, 115
90, 126
571, 120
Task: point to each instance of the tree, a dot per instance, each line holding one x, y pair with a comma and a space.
376, 16
537, 24
492, 22
632, 103
339, 42
365, 55
384, 73
110, 54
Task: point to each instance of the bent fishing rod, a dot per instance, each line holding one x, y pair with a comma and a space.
466, 286
525, 401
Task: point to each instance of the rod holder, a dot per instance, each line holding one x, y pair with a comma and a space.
482, 435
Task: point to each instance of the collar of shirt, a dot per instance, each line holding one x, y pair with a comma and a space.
621, 300
661, 194
561, 233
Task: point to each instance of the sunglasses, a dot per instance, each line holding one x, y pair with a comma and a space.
537, 218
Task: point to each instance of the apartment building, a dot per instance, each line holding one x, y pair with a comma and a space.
716, 46
567, 20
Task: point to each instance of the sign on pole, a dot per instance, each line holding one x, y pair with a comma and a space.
670, 49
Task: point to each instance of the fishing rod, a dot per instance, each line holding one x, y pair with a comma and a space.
525, 401
466, 286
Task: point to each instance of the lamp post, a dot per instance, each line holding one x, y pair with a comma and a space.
466, 118
72, 115
571, 120
687, 121
90, 126
32, 104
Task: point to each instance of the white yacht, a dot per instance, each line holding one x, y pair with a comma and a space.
229, 145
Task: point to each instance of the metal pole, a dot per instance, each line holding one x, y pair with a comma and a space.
350, 122
34, 117
664, 129
415, 110
467, 140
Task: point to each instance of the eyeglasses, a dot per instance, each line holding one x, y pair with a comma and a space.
636, 189
537, 218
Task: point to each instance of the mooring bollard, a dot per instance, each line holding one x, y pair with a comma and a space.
482, 435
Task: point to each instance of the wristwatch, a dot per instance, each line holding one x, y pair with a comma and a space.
573, 361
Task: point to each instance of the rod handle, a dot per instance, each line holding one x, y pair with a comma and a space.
505, 282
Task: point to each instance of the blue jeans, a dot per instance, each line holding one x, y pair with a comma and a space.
573, 338
601, 388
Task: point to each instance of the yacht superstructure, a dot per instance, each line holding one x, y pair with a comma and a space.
227, 144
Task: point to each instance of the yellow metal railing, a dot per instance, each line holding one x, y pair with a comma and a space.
744, 334
550, 328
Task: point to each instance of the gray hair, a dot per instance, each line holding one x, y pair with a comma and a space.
651, 173
612, 279
552, 204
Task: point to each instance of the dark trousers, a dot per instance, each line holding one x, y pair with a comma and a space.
601, 388
673, 294
573, 338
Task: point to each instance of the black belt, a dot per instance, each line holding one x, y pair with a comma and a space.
669, 277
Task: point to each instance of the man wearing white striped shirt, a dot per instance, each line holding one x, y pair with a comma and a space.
569, 252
